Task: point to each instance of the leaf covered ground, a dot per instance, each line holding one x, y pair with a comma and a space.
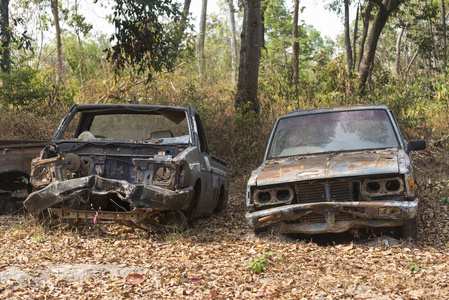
210, 261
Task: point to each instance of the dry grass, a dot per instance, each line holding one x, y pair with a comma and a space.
210, 261
27, 125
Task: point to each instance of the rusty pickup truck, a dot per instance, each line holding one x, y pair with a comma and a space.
130, 164
15, 168
335, 169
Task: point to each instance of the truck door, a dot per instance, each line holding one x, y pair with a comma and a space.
206, 200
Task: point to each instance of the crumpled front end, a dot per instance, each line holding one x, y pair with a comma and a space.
333, 217
332, 193
66, 189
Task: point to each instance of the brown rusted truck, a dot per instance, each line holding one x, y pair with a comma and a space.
15, 168
142, 165
335, 169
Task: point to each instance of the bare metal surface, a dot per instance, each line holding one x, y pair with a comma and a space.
333, 192
82, 175
15, 161
362, 214
328, 166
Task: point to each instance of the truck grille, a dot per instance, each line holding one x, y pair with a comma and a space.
340, 190
315, 218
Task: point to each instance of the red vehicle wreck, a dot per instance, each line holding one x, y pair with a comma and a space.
132, 164
334, 169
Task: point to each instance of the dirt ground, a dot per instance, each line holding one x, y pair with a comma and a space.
210, 261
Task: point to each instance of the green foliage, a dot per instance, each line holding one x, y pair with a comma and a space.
85, 58
413, 267
22, 86
23, 179
444, 200
141, 40
258, 265
78, 22
218, 50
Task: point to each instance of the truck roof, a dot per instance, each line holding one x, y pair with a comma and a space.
135, 107
333, 109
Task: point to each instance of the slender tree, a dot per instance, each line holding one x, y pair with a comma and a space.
366, 21
295, 43
398, 52
55, 11
356, 27
246, 96
386, 8
182, 26
443, 25
5, 37
201, 37
233, 41
348, 37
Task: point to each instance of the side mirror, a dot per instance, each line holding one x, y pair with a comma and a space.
416, 145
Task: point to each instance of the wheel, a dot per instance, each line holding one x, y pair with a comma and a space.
173, 221
10, 206
410, 229
222, 201
193, 206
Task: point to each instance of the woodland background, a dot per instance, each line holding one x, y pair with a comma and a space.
241, 69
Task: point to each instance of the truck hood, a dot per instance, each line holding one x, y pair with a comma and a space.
323, 166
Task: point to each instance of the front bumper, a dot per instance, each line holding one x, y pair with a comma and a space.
332, 216
145, 196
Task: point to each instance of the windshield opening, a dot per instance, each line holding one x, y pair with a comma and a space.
331, 132
131, 127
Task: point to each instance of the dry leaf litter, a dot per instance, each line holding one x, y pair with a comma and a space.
210, 260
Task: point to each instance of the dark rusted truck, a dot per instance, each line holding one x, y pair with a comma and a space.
334, 169
15, 167
132, 164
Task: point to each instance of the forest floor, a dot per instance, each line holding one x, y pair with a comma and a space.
210, 261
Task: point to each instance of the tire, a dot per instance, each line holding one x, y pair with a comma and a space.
174, 221
410, 229
10, 206
193, 206
222, 201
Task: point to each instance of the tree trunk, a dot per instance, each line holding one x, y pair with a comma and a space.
348, 37
443, 24
386, 7
366, 17
354, 40
398, 52
200, 46
233, 41
411, 63
182, 25
263, 8
5, 36
246, 96
55, 11
295, 44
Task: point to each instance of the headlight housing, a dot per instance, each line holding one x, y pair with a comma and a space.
40, 175
163, 175
274, 195
382, 187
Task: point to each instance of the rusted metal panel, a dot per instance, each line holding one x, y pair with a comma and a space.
16, 155
136, 195
127, 163
287, 219
328, 166
312, 183
15, 161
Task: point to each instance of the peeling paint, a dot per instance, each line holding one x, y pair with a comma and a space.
336, 191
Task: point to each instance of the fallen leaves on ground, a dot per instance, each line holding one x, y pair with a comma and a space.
210, 261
